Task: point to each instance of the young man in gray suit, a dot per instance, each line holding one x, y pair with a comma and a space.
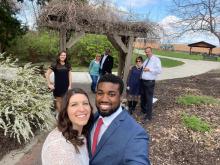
116, 138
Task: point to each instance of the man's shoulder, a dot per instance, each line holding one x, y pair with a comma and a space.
110, 57
156, 57
131, 122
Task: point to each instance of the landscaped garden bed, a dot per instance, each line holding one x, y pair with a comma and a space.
178, 132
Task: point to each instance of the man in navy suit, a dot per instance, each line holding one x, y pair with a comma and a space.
119, 139
106, 63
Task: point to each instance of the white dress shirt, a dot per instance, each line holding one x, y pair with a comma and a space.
106, 123
154, 65
103, 60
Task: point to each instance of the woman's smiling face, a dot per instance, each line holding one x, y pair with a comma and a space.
79, 110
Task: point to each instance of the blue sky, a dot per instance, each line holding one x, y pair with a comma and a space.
156, 10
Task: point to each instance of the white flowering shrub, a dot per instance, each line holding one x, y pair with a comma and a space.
25, 103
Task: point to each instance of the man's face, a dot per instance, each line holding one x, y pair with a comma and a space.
108, 52
108, 98
148, 52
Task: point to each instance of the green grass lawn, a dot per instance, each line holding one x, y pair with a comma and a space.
174, 54
168, 63
165, 62
178, 55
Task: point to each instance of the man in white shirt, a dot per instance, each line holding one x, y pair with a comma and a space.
119, 139
106, 63
151, 68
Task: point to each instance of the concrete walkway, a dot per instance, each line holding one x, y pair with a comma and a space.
31, 154
189, 68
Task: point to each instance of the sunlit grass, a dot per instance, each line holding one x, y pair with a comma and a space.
175, 54
165, 62
195, 123
197, 100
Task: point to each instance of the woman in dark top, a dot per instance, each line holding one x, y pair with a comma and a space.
62, 78
133, 84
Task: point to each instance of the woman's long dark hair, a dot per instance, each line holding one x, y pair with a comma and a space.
65, 125
58, 59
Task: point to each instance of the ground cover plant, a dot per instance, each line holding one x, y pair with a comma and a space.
195, 123
197, 100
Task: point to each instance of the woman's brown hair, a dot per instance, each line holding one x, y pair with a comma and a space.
65, 125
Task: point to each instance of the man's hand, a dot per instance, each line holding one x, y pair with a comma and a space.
146, 69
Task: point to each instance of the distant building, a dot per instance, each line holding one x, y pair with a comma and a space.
141, 43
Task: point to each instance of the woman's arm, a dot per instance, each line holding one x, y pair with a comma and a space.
49, 83
70, 80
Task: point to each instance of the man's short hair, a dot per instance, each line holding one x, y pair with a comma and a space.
112, 79
107, 50
148, 48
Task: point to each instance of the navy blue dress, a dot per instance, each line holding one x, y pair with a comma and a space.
134, 81
61, 78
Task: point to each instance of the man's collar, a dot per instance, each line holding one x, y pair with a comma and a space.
108, 119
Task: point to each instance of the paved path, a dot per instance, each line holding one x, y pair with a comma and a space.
189, 68
31, 156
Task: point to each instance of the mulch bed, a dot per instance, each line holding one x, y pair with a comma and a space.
170, 142
7, 144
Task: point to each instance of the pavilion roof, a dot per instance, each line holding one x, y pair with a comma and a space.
202, 44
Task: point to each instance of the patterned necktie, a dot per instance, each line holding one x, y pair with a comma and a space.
96, 135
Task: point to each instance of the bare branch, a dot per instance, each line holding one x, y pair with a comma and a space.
198, 15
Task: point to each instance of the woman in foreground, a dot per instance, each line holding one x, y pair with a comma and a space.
66, 144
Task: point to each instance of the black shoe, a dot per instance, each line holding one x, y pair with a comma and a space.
146, 117
143, 112
130, 111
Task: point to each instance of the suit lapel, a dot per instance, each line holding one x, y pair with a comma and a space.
110, 130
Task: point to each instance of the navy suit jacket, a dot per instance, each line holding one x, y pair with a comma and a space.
107, 65
124, 142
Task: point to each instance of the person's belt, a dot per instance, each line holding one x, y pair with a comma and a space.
147, 80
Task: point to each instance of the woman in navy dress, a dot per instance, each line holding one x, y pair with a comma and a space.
133, 84
62, 78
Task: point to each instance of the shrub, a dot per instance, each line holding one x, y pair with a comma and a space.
35, 46
24, 101
197, 100
85, 49
195, 123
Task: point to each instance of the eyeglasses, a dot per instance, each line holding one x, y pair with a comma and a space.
138, 61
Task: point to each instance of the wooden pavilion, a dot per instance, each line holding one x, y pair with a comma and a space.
202, 44
74, 19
